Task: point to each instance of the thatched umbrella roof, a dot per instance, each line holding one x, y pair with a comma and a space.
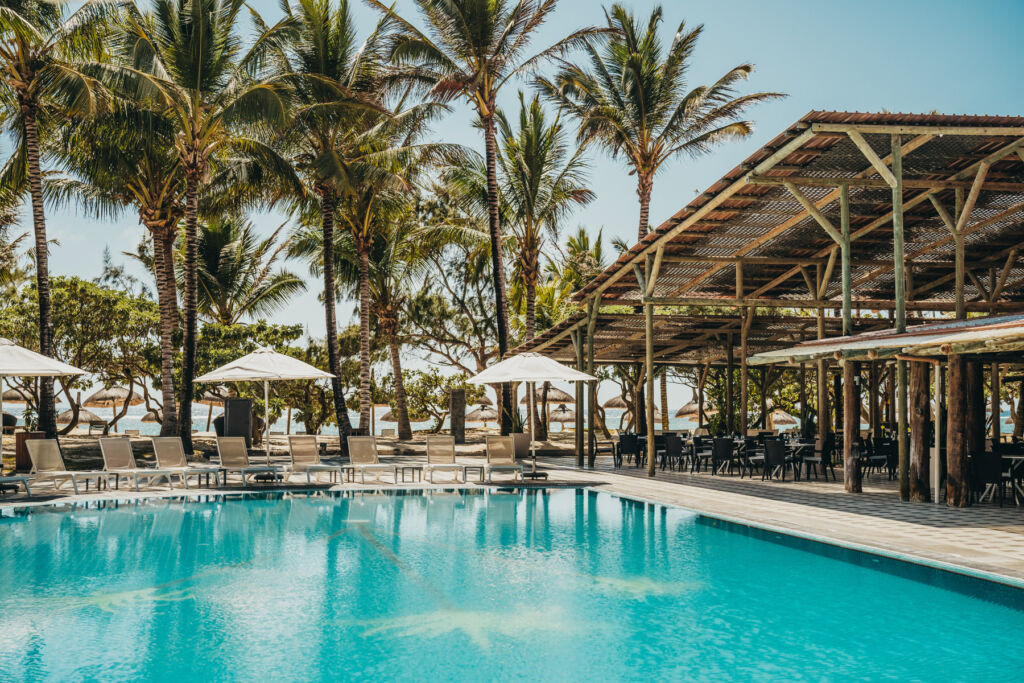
484, 400
781, 417
562, 414
386, 416
555, 395
15, 396
482, 415
114, 397
150, 417
615, 403
209, 399
85, 417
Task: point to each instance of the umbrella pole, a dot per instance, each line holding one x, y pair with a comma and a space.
266, 418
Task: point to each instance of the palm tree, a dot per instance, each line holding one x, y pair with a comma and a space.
633, 98
236, 272
188, 61
44, 52
128, 159
473, 49
542, 181
333, 78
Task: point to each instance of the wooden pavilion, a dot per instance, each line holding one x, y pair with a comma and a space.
895, 216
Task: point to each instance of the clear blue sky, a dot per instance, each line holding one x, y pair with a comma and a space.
906, 55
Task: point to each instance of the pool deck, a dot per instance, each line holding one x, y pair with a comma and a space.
982, 540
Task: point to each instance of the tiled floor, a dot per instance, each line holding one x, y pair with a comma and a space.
984, 537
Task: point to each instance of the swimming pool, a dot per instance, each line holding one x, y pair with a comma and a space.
476, 585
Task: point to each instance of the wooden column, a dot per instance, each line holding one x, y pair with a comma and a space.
901, 429
995, 403
958, 256
919, 443
851, 424
874, 401
595, 306
844, 209
803, 400
744, 377
974, 375
957, 492
940, 410
700, 394
649, 362
837, 391
577, 342
898, 256
728, 407
824, 418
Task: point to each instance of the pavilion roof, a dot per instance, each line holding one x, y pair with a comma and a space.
680, 339
989, 336
749, 217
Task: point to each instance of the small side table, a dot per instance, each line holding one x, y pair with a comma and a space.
416, 472
479, 469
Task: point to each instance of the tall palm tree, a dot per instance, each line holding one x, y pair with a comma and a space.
236, 271
633, 98
542, 182
44, 59
472, 49
333, 78
127, 159
189, 61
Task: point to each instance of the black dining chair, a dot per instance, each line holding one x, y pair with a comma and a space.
823, 452
700, 453
752, 454
989, 472
629, 448
672, 452
776, 460
723, 457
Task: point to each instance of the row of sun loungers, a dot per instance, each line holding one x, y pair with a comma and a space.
119, 463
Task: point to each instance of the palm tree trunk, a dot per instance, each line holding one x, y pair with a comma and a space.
401, 402
47, 416
327, 204
364, 337
497, 265
167, 300
188, 363
531, 309
644, 185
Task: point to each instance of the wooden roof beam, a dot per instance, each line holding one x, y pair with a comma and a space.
884, 172
873, 183
887, 129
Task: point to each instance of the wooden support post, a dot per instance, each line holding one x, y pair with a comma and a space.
803, 401
700, 393
844, 209
837, 392
897, 236
822, 373
957, 485
939, 409
975, 381
748, 316
874, 402
901, 429
959, 258
995, 403
577, 342
727, 409
595, 305
649, 361
851, 425
919, 443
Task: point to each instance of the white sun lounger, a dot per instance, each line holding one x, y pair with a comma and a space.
362, 454
48, 463
305, 456
501, 457
234, 457
14, 480
441, 457
170, 456
119, 460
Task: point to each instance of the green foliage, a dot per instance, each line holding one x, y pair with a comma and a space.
429, 394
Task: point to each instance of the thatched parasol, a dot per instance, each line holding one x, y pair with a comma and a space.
484, 400
386, 416
114, 397
562, 414
209, 399
483, 415
617, 403
555, 395
15, 396
781, 417
85, 417
151, 416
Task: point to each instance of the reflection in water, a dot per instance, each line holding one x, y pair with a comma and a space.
444, 584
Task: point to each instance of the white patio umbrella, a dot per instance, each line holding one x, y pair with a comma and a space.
17, 361
264, 365
530, 368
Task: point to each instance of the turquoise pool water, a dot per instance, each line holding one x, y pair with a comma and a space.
555, 585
